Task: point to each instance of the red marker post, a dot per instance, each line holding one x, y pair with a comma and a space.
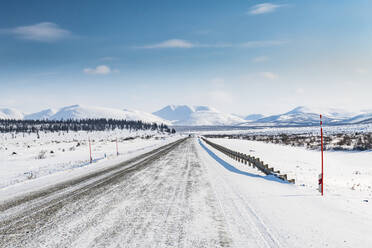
321, 176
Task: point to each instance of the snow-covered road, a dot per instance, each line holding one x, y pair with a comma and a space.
180, 195
163, 200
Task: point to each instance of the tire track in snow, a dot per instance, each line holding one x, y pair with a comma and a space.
173, 219
142, 222
246, 226
164, 201
91, 217
35, 217
90, 224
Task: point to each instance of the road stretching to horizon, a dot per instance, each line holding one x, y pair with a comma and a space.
178, 195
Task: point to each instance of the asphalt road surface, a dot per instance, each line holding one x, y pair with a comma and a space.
160, 199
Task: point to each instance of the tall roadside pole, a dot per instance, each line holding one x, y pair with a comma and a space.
321, 178
117, 148
90, 152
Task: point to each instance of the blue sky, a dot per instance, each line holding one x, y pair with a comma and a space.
237, 56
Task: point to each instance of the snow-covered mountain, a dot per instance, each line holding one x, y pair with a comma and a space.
144, 116
307, 116
363, 117
85, 112
253, 117
175, 112
10, 114
42, 115
184, 115
82, 112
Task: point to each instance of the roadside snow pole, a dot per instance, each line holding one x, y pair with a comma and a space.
117, 148
321, 176
90, 152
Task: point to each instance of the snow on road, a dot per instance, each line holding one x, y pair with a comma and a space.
183, 196
166, 201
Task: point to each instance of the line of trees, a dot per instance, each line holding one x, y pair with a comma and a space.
34, 126
337, 142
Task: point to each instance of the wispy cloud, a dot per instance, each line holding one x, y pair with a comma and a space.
177, 43
263, 8
173, 43
44, 32
269, 75
99, 70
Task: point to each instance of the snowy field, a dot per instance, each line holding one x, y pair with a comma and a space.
347, 174
349, 129
25, 157
264, 213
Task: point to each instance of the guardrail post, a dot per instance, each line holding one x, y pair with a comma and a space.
284, 176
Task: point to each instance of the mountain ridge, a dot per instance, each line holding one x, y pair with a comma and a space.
306, 116
82, 112
10, 113
186, 115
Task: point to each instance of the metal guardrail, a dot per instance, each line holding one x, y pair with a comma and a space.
249, 160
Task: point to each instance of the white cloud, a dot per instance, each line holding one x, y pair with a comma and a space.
263, 8
45, 32
100, 70
260, 59
176, 43
173, 43
269, 75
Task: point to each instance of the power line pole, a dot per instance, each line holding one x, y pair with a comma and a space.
321, 179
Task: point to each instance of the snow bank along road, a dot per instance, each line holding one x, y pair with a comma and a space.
179, 195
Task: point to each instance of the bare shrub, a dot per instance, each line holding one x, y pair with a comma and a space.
42, 154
